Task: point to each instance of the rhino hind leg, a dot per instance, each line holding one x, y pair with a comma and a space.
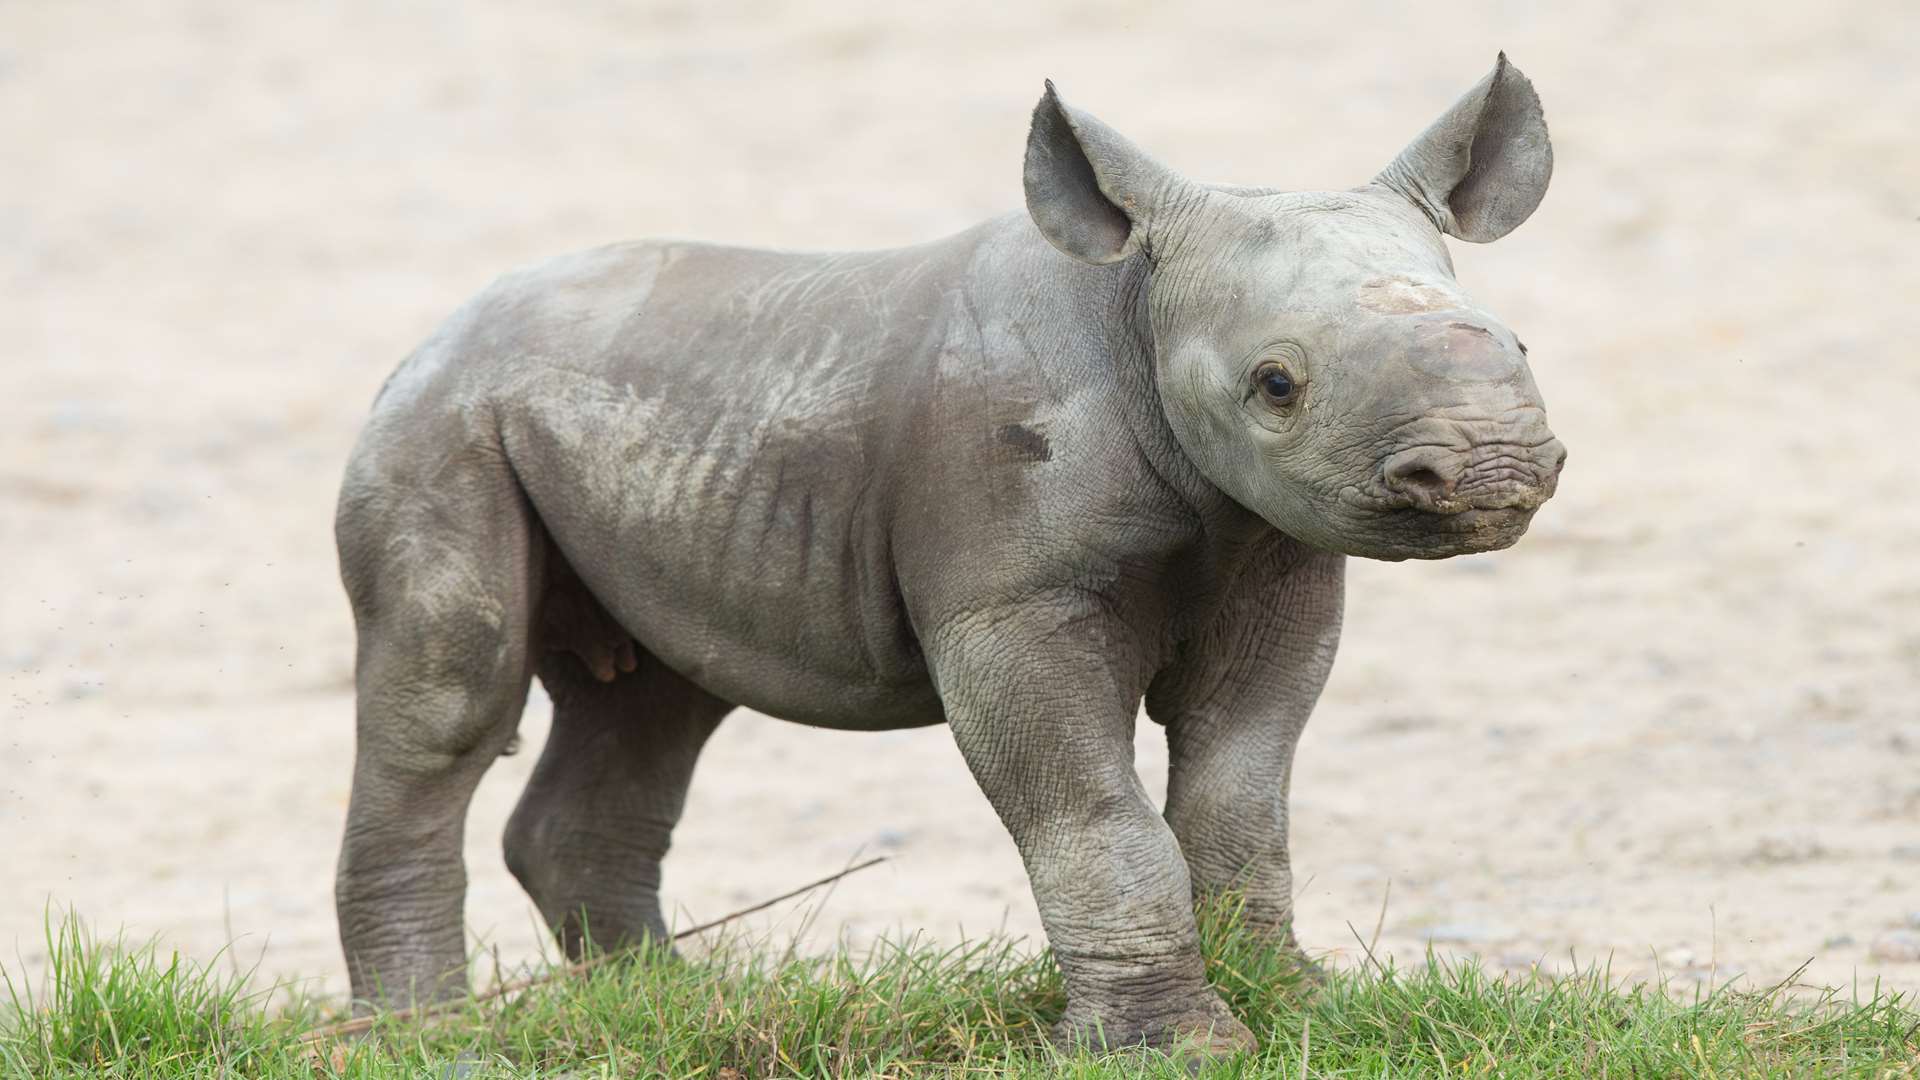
438, 551
587, 838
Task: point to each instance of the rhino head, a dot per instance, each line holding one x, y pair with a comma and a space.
1314, 355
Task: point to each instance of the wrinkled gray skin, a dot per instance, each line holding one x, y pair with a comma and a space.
1014, 481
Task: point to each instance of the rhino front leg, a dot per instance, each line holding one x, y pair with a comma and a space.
1234, 707
1043, 711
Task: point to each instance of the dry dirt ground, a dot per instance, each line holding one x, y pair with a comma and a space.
1678, 723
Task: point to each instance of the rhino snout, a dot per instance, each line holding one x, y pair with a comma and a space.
1492, 476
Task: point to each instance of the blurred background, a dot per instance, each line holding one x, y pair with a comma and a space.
1677, 726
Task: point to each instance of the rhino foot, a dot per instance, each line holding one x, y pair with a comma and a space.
1204, 1035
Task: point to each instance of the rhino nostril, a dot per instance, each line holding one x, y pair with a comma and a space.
1425, 476
1420, 479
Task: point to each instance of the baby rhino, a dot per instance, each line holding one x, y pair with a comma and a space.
1015, 482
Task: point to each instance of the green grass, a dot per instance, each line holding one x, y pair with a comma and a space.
109, 1010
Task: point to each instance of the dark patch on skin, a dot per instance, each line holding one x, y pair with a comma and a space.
1026, 442
1470, 326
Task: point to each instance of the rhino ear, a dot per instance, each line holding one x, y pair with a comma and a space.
1091, 192
1480, 170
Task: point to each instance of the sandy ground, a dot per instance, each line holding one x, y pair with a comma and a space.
1678, 723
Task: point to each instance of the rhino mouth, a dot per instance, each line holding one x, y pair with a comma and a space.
1463, 532
1395, 533
1500, 526
1462, 507
1524, 499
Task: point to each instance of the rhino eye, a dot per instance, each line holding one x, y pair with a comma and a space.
1276, 385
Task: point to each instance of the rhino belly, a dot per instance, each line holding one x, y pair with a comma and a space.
753, 564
